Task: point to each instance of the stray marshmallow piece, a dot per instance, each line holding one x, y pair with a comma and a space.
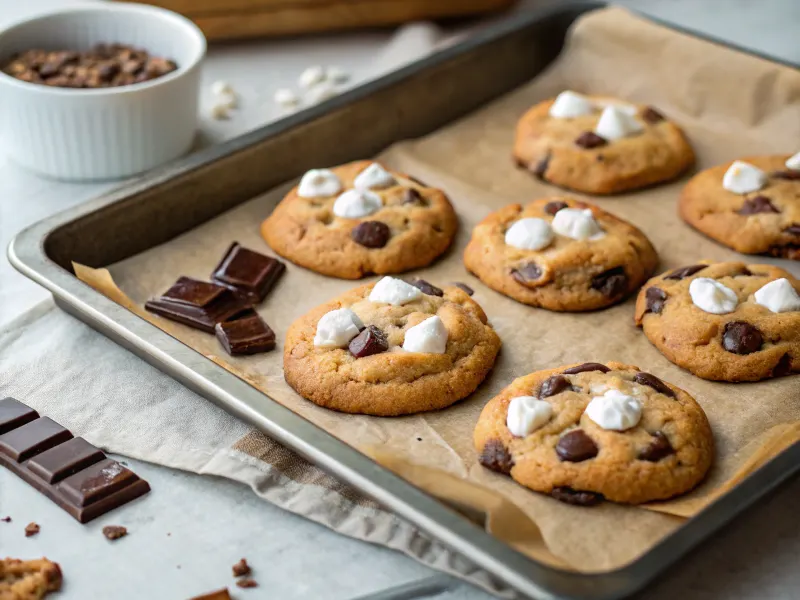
526, 414
337, 75
374, 176
712, 297
221, 88
529, 234
570, 104
336, 328
615, 123
319, 182
286, 98
321, 92
793, 162
429, 336
743, 178
354, 204
778, 296
220, 111
311, 77
576, 223
614, 410
396, 292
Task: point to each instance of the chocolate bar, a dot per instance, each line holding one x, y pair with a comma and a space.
246, 334
77, 476
249, 274
197, 304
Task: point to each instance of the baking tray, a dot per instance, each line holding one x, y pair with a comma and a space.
182, 195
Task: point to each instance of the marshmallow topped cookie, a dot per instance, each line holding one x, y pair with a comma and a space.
560, 254
600, 145
359, 219
391, 348
724, 321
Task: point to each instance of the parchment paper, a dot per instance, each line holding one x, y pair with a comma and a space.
730, 104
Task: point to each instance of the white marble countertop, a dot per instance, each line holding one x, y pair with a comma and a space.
185, 537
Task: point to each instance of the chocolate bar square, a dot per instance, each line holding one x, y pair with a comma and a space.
248, 273
13, 414
247, 334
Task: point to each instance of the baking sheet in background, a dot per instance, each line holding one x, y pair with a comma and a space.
730, 104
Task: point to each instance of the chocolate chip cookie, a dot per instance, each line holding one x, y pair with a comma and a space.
28, 579
600, 145
560, 254
752, 210
724, 321
590, 431
358, 219
391, 348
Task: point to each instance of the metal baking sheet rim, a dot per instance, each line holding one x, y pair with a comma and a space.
28, 255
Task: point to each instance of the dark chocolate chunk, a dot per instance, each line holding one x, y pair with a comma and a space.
586, 367
552, 208
426, 287
14, 414
651, 115
783, 367
241, 568
589, 140
527, 273
791, 175
577, 498
576, 446
653, 382
739, 337
683, 272
370, 341
65, 459
611, 283
114, 532
33, 438
541, 166
31, 529
496, 457
371, 234
657, 449
758, 204
250, 274
554, 385
411, 196
246, 583
197, 304
655, 299
246, 334
469, 291
793, 229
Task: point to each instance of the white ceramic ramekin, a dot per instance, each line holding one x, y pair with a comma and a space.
107, 133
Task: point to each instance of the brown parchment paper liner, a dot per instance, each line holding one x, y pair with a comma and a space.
730, 104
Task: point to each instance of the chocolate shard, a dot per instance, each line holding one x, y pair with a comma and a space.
575, 497
370, 341
654, 382
426, 288
249, 274
684, 272
541, 166
198, 304
411, 196
246, 334
739, 337
589, 140
496, 457
585, 368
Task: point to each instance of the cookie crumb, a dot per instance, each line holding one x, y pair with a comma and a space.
6, 519
241, 568
31, 529
246, 583
215, 595
114, 532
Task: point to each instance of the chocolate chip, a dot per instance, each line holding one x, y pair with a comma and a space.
371, 234
541, 166
576, 446
589, 140
743, 272
106, 72
370, 341
114, 532
426, 287
611, 283
655, 299
653, 382
793, 229
651, 115
683, 272
657, 449
496, 457
552, 208
464, 287
411, 196
554, 385
758, 204
741, 338
783, 367
246, 583
418, 182
577, 498
790, 175
585, 368
527, 273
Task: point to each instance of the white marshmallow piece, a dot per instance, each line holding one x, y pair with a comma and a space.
429, 336
311, 77
778, 296
221, 88
577, 223
396, 292
529, 234
319, 182
337, 74
321, 92
793, 162
526, 414
615, 411
220, 111
570, 104
375, 177
743, 178
354, 204
336, 328
712, 297
286, 98
615, 123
